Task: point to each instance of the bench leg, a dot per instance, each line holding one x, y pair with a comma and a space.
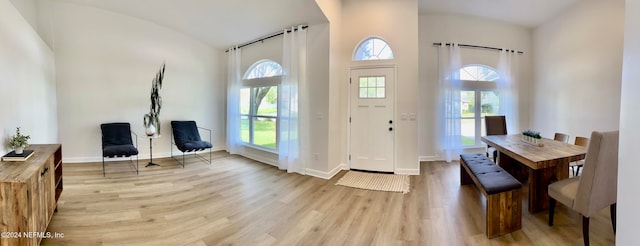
504, 213
465, 179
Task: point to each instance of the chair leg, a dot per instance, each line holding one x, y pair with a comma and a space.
578, 171
103, 174
552, 208
585, 230
612, 209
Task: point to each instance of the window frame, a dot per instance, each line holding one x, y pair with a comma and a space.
477, 87
253, 84
361, 43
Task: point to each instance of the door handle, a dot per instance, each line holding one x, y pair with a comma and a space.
390, 128
391, 122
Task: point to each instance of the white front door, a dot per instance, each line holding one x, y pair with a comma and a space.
371, 119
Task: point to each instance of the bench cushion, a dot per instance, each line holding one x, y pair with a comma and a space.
492, 177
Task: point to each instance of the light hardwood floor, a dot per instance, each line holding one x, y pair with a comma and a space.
237, 201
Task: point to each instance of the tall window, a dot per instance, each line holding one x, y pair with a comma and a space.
373, 49
259, 104
478, 98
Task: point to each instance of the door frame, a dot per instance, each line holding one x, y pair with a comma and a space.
394, 118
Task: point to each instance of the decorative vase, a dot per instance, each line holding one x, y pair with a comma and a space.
19, 150
150, 130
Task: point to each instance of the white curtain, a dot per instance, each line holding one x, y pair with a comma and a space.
233, 100
508, 89
293, 107
449, 86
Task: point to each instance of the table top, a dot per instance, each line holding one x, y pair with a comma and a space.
21, 171
536, 157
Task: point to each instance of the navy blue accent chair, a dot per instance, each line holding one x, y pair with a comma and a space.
117, 142
186, 137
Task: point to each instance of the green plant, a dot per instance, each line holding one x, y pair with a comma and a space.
532, 134
19, 140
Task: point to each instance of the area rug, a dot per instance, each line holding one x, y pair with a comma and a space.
376, 181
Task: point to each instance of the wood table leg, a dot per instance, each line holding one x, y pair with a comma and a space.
539, 181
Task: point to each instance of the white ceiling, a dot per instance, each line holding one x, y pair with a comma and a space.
224, 23
220, 23
530, 13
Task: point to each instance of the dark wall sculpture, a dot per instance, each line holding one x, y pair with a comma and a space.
152, 119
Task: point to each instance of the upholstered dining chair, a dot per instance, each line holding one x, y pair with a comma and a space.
117, 142
596, 188
495, 125
561, 137
186, 137
576, 165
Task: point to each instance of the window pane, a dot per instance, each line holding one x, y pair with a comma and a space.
363, 92
266, 100
467, 102
263, 69
245, 103
372, 82
264, 132
373, 49
244, 128
380, 93
490, 103
468, 130
478, 73
380, 81
363, 82
371, 92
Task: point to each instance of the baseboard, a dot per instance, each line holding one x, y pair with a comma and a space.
326, 175
428, 158
140, 157
260, 159
407, 171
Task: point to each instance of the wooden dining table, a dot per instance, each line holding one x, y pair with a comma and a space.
539, 165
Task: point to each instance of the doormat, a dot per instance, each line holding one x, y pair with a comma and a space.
376, 181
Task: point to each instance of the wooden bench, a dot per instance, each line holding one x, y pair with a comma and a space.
502, 191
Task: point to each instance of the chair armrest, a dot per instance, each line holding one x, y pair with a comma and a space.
206, 129
134, 134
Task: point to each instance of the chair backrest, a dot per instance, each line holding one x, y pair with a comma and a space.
495, 125
561, 137
581, 141
599, 181
185, 131
116, 134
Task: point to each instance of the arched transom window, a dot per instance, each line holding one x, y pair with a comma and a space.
263, 69
373, 49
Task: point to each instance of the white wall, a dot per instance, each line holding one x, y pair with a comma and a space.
578, 67
396, 21
628, 168
446, 28
105, 66
28, 94
332, 9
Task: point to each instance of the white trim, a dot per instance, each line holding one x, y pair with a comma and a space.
428, 158
140, 157
327, 175
407, 171
262, 159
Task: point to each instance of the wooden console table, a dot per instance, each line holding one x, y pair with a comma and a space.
29, 193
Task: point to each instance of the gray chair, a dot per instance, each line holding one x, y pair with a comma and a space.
495, 125
186, 137
117, 142
596, 188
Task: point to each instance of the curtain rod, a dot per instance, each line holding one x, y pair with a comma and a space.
264, 38
480, 47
